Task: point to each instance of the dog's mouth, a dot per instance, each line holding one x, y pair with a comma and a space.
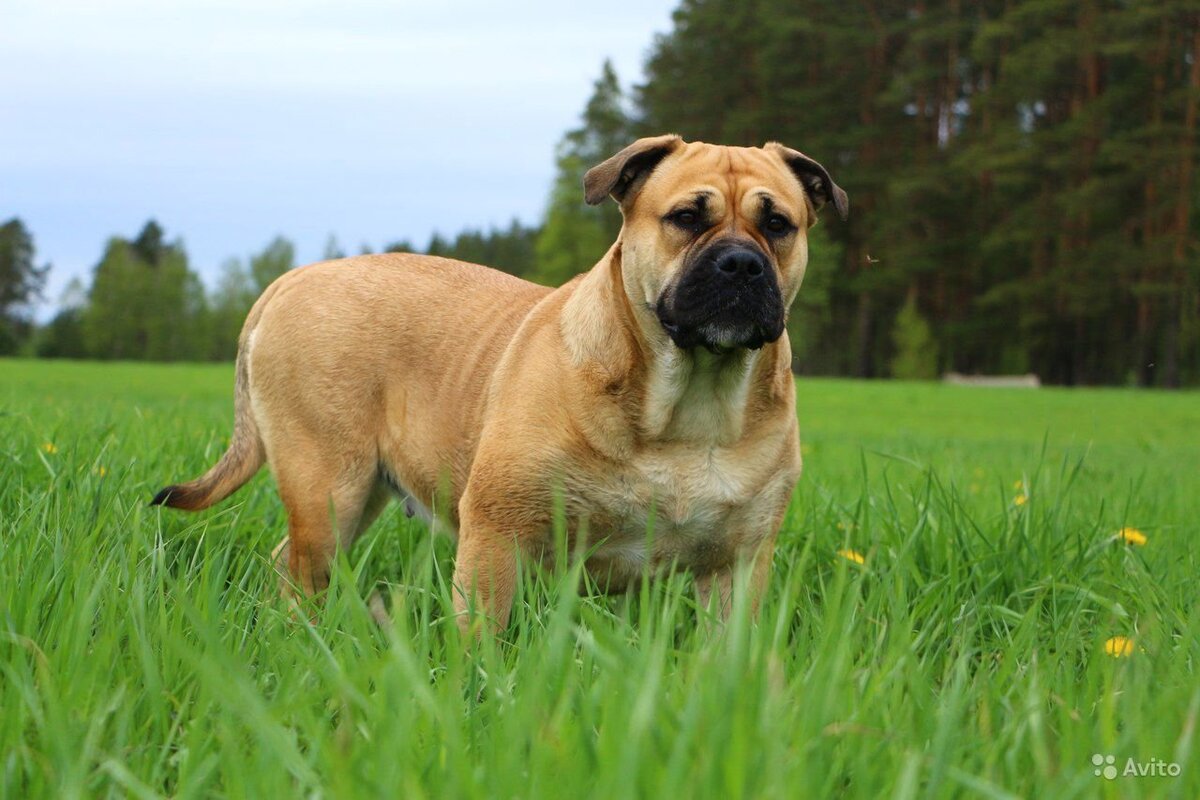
726, 299
722, 330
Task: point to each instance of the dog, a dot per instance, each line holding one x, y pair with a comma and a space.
653, 392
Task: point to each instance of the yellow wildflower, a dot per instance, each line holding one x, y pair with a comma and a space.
1119, 646
101, 471
852, 555
50, 448
1020, 500
1132, 536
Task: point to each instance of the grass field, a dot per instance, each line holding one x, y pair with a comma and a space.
142, 652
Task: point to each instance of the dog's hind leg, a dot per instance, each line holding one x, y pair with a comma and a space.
325, 511
378, 498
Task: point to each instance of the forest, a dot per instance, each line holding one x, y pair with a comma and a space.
1021, 174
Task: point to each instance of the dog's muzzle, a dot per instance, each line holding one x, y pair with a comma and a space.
726, 299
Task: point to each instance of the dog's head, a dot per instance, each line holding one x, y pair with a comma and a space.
714, 241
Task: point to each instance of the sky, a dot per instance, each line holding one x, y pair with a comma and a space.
231, 121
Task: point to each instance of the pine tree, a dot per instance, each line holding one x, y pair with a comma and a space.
916, 351
575, 236
21, 282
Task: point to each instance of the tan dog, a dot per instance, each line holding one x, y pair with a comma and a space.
656, 385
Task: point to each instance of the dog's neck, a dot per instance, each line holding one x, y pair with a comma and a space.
696, 396
682, 395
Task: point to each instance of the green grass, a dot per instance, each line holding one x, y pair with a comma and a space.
142, 652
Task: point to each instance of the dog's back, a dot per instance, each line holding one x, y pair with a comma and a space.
333, 353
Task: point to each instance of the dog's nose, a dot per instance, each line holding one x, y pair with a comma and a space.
741, 264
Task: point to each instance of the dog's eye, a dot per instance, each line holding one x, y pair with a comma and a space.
686, 219
777, 225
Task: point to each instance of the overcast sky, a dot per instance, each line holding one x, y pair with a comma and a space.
230, 121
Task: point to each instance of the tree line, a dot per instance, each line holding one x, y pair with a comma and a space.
1021, 174
145, 302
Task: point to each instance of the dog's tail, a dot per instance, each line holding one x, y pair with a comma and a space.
245, 455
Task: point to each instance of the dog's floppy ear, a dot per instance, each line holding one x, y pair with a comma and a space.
815, 179
618, 175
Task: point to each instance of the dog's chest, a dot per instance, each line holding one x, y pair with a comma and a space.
665, 505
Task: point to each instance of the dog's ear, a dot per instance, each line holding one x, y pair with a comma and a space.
816, 181
620, 174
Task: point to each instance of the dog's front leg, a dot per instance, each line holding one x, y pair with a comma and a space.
485, 576
720, 584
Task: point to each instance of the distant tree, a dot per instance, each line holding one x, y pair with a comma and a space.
230, 302
74, 294
117, 304
916, 350
21, 282
400, 246
509, 249
149, 244
715, 50
437, 246
146, 309
238, 285
810, 320
275, 259
575, 235
333, 250
63, 336
514, 249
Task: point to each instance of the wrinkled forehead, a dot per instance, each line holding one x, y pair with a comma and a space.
730, 177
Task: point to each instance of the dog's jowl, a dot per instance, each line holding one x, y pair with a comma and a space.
657, 383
